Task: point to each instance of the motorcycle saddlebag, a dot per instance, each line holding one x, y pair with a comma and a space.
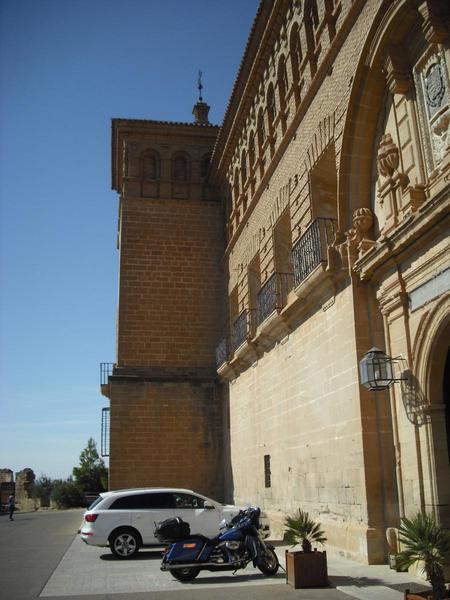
185, 550
172, 530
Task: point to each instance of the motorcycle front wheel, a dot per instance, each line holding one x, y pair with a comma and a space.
184, 575
269, 562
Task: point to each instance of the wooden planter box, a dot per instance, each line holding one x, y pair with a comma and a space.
418, 595
306, 569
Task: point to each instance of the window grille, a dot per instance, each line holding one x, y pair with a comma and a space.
104, 450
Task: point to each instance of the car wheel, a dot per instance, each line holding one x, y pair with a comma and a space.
125, 543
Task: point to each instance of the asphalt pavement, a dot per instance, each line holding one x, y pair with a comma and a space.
42, 557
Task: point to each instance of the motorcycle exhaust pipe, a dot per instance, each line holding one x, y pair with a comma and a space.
167, 566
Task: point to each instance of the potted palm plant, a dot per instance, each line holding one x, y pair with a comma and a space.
426, 542
306, 567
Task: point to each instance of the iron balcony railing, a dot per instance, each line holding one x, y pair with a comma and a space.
242, 328
273, 295
106, 370
311, 249
222, 352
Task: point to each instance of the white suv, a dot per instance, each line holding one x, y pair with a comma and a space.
125, 520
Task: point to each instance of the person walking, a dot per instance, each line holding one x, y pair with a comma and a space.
11, 506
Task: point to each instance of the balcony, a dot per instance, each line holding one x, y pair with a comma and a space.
310, 251
273, 295
106, 370
222, 352
242, 328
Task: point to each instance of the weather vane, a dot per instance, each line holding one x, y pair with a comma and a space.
200, 87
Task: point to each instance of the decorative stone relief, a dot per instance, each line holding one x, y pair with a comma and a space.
397, 70
359, 237
432, 81
393, 182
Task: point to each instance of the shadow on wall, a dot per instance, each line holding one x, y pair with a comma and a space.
414, 401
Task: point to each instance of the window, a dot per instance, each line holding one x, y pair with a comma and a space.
205, 165
271, 106
282, 81
180, 168
188, 501
296, 52
143, 502
236, 187
150, 165
267, 474
243, 169
261, 130
251, 149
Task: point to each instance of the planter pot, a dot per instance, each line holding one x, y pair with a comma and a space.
418, 595
306, 569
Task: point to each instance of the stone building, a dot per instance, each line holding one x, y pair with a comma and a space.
313, 226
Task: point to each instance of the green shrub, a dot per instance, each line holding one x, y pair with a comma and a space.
67, 494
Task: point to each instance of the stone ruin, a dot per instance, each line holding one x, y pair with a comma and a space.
22, 487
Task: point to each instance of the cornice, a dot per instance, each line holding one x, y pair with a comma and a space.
263, 32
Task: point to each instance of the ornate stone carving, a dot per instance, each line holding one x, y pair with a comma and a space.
388, 156
397, 70
359, 240
436, 20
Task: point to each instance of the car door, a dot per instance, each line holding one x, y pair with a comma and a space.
191, 508
151, 508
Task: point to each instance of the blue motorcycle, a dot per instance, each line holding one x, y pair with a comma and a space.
233, 549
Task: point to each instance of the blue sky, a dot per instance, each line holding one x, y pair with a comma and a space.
66, 68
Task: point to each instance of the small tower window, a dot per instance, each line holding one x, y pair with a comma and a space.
150, 165
180, 168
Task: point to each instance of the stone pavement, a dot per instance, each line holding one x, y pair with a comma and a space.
87, 571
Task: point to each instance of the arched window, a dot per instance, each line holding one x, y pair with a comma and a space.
251, 149
283, 85
261, 130
295, 48
311, 20
271, 106
236, 187
243, 168
205, 165
180, 167
150, 165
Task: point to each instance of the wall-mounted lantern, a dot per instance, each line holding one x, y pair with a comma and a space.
376, 370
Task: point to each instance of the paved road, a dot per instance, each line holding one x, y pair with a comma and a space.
42, 557
31, 548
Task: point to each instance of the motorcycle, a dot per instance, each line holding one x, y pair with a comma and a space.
232, 549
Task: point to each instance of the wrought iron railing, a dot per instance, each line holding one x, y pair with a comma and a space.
222, 352
106, 370
273, 294
242, 328
104, 449
311, 249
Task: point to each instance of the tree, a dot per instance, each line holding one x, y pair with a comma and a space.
43, 487
67, 494
92, 474
425, 541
